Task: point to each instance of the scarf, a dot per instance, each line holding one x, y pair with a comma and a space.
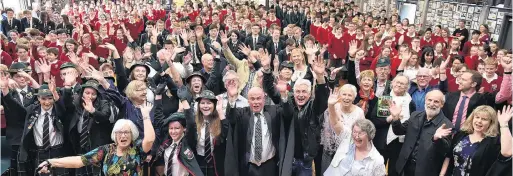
364, 100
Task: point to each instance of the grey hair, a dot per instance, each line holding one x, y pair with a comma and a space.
404, 76
122, 123
229, 72
301, 82
366, 126
350, 87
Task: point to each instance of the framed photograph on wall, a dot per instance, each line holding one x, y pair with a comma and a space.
477, 10
493, 13
469, 16
471, 10
491, 25
447, 6
464, 8
475, 26
499, 21
475, 18
498, 29
500, 15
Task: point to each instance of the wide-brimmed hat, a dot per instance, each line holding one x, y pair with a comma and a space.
196, 73
44, 91
19, 67
176, 117
207, 94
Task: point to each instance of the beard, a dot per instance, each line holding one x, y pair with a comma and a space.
432, 112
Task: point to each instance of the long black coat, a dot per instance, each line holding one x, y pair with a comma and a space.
431, 154
99, 124
242, 123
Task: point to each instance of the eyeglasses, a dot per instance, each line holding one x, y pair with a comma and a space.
121, 133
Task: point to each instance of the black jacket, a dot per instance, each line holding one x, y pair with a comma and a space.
99, 125
68, 27
26, 157
219, 142
14, 116
487, 154
431, 154
307, 121
186, 156
478, 99
259, 43
15, 25
242, 123
36, 23
47, 27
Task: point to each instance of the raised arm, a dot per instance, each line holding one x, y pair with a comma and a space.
504, 117
321, 90
334, 116
149, 132
505, 90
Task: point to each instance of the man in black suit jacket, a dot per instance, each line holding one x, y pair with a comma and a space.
11, 23
469, 83
284, 54
30, 22
257, 130
427, 137
255, 34
274, 45
146, 36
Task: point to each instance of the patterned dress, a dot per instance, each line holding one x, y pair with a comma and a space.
463, 153
114, 165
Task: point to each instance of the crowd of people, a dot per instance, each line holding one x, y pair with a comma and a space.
296, 88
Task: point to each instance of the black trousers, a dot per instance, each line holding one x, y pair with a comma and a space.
409, 168
267, 168
13, 170
207, 169
391, 155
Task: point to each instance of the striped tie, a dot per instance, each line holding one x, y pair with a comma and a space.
208, 146
169, 171
84, 135
46, 131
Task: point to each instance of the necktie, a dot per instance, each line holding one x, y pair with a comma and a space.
258, 138
460, 113
84, 135
10, 23
193, 49
208, 145
169, 170
23, 95
254, 43
275, 48
46, 131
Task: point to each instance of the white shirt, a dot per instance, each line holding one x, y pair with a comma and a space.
55, 137
200, 148
267, 146
21, 96
489, 80
81, 121
178, 169
240, 102
380, 88
404, 101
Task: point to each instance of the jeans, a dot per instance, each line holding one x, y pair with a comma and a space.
300, 168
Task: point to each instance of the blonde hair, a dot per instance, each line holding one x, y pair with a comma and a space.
132, 87
367, 74
480, 111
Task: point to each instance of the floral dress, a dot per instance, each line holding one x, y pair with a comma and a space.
114, 165
463, 153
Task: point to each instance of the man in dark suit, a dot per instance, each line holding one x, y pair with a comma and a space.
256, 135
289, 33
459, 105
212, 37
284, 54
29, 21
255, 39
427, 137
43, 134
275, 45
23, 95
195, 51
146, 36
11, 23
